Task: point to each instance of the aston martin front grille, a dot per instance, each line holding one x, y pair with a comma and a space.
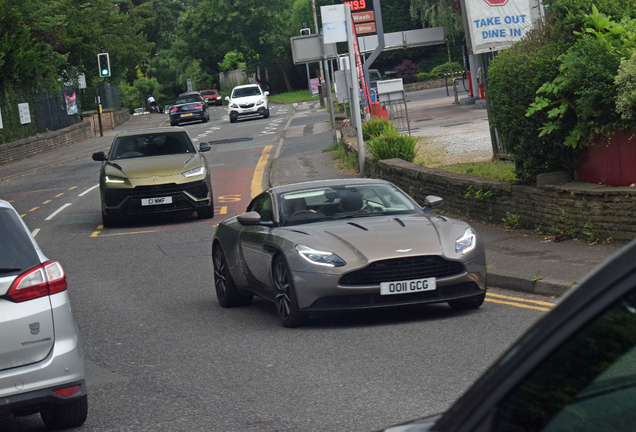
400, 269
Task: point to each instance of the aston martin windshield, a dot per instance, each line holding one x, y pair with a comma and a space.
327, 203
152, 144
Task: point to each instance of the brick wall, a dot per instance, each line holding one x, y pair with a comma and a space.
110, 119
582, 210
28, 147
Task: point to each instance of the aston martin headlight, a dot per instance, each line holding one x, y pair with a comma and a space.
113, 179
319, 257
466, 243
260, 102
194, 172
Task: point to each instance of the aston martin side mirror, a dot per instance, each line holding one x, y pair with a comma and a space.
431, 202
249, 218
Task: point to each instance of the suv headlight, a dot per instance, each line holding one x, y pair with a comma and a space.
194, 172
319, 257
114, 179
466, 243
260, 102
233, 105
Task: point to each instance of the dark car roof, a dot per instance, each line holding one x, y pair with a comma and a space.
193, 93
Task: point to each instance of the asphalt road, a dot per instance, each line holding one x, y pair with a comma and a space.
162, 355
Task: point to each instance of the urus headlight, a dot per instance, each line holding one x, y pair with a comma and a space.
466, 243
319, 257
194, 172
114, 179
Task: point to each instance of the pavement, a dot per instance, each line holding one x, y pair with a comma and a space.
517, 259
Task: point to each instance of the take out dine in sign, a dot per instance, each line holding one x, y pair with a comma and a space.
496, 24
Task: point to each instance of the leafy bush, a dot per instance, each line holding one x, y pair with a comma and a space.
514, 76
444, 68
626, 88
585, 86
425, 76
407, 71
376, 126
392, 145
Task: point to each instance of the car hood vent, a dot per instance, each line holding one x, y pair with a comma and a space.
357, 226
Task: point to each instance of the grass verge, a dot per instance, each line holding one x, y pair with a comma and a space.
346, 160
291, 97
501, 170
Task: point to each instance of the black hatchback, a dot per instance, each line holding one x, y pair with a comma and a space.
189, 107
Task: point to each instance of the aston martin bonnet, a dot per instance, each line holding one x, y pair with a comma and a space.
345, 244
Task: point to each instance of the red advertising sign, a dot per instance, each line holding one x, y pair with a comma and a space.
365, 28
496, 2
360, 17
356, 49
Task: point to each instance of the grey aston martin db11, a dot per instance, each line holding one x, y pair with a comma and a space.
346, 244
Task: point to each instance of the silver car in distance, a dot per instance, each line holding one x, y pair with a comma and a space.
346, 244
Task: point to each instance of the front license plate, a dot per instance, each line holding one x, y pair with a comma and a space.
156, 201
186, 115
409, 286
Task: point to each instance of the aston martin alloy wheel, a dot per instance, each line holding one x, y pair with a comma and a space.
286, 302
227, 293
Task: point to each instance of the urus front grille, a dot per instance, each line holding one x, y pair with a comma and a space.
197, 189
400, 269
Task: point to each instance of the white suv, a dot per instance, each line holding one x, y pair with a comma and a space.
247, 100
41, 359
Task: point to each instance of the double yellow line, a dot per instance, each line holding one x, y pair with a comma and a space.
519, 302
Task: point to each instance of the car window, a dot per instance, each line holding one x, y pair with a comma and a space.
245, 92
262, 204
17, 252
316, 204
189, 99
158, 144
589, 384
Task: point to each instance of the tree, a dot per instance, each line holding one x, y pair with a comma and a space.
439, 13
31, 32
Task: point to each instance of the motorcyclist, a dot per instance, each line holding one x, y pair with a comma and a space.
152, 103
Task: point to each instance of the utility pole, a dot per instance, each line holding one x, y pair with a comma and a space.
313, 8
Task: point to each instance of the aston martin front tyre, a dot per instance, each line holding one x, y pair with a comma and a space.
286, 300
471, 303
226, 292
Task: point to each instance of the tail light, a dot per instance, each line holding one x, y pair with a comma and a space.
174, 110
198, 106
40, 281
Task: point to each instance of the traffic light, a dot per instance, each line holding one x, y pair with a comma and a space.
305, 32
103, 62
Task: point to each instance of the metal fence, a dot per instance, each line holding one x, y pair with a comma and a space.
50, 112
